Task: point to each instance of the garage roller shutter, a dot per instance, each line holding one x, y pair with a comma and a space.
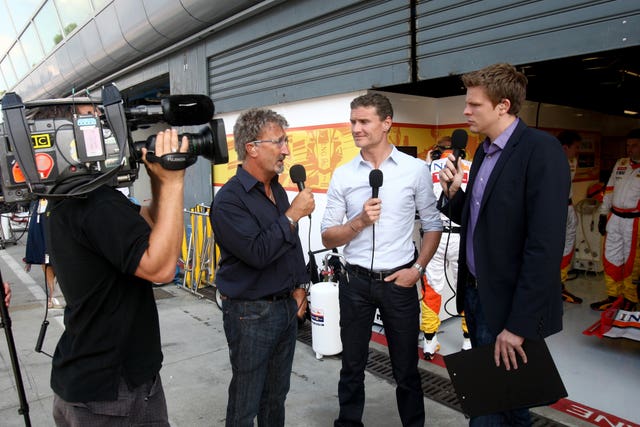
454, 37
336, 47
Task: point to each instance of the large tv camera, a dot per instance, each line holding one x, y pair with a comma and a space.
54, 149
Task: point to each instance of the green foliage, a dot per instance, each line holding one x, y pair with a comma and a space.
69, 28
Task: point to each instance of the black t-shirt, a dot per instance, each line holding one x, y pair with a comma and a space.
111, 320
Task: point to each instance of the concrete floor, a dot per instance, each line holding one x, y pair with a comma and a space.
196, 369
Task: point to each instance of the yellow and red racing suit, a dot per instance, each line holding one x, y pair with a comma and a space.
622, 205
442, 269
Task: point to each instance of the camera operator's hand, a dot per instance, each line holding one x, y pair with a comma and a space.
164, 214
602, 225
166, 142
302, 205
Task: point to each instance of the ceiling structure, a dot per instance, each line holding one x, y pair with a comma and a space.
606, 82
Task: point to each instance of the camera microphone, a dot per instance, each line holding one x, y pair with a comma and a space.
177, 110
375, 181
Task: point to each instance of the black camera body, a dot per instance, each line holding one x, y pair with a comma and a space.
67, 154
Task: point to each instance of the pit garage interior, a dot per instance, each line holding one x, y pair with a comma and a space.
606, 82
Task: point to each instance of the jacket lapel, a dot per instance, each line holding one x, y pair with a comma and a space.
473, 172
507, 152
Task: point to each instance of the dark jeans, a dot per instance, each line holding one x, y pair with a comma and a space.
399, 308
262, 340
142, 406
481, 335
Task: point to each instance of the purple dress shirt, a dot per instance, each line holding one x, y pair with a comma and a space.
492, 154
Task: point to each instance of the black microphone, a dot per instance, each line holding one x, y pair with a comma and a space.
298, 175
458, 143
375, 181
43, 331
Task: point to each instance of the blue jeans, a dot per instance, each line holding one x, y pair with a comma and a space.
262, 338
481, 335
399, 308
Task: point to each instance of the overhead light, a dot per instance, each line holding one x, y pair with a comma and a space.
630, 73
630, 112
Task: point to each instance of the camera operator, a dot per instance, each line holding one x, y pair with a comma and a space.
107, 252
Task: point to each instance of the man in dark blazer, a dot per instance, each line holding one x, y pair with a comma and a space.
513, 215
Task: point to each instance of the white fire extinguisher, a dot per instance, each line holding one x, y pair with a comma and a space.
325, 313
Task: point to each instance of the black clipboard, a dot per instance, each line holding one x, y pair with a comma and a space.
482, 388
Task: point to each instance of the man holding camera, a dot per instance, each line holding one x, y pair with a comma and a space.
107, 252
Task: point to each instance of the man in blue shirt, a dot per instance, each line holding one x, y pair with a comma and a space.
383, 265
261, 268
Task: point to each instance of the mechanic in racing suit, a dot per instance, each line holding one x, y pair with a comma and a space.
569, 140
620, 224
442, 270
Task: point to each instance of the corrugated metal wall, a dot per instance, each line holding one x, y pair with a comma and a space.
454, 37
340, 46
306, 49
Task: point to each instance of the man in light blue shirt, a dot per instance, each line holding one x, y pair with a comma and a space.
383, 264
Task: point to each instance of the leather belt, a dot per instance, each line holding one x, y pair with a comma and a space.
446, 229
623, 214
273, 297
375, 274
276, 297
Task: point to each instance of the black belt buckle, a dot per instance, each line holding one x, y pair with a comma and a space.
364, 272
379, 275
273, 297
276, 297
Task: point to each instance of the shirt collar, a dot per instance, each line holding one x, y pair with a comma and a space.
393, 156
501, 140
247, 180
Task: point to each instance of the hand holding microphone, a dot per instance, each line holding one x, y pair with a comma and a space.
372, 207
451, 175
303, 204
459, 139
